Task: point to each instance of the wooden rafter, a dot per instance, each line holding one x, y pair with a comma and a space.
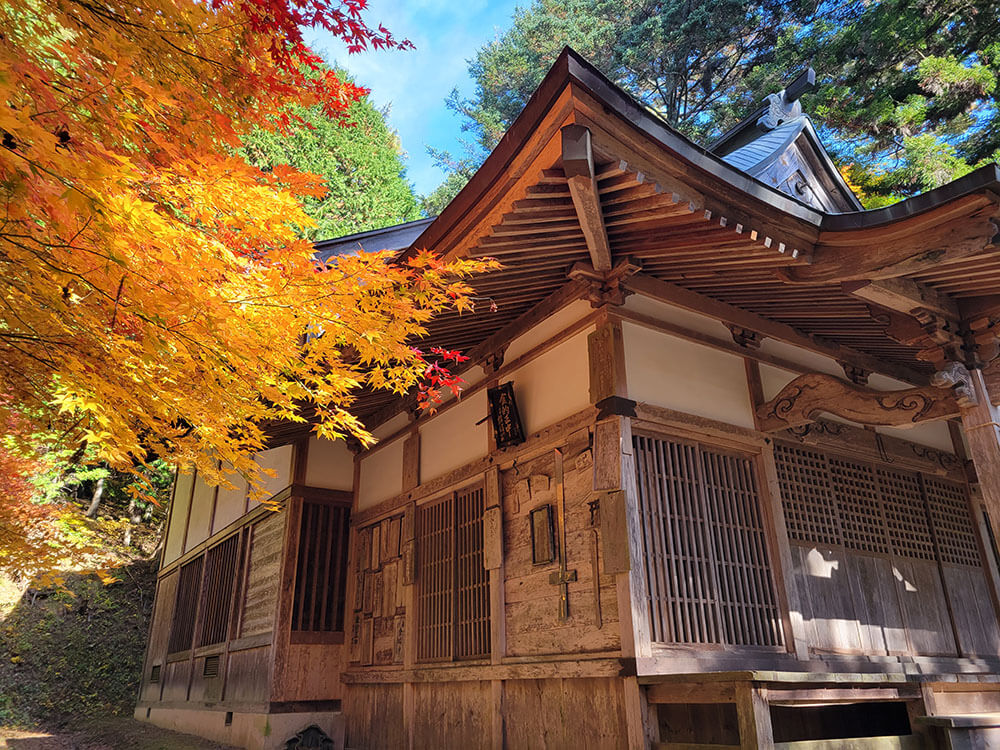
809, 395
578, 164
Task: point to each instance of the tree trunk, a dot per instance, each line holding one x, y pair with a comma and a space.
95, 501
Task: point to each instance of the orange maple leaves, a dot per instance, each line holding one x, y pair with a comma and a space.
154, 289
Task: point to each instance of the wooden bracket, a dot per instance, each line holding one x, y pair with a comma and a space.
605, 287
857, 375
578, 164
803, 399
745, 337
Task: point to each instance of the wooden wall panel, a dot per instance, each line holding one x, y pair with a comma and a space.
247, 676
262, 580
159, 632
555, 714
374, 716
821, 576
873, 590
175, 680
920, 590
452, 714
310, 672
531, 601
975, 618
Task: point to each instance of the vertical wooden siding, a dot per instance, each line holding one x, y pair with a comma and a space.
707, 562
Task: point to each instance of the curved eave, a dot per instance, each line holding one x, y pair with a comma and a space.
982, 180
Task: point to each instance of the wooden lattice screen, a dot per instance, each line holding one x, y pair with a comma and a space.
472, 590
453, 613
874, 508
186, 610
221, 565
321, 569
707, 564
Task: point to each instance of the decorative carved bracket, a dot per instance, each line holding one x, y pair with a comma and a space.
744, 336
802, 400
956, 376
605, 287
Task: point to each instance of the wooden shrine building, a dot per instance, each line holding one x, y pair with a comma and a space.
722, 474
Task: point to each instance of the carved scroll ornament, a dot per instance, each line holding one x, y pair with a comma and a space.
806, 397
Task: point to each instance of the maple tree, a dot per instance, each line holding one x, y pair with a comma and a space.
158, 296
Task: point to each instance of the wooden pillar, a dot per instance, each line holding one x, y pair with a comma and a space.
754, 717
981, 424
615, 477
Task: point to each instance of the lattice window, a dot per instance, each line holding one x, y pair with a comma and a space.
472, 615
806, 496
906, 514
707, 565
221, 564
453, 612
186, 609
857, 495
321, 569
950, 513
879, 509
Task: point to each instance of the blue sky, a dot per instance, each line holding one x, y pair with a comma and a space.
415, 83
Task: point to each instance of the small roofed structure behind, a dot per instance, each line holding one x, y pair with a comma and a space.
778, 145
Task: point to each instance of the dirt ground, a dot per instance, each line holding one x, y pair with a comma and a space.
105, 734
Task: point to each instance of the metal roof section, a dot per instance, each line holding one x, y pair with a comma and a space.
396, 238
758, 154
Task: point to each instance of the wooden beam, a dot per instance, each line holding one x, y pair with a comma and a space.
802, 400
871, 254
578, 164
699, 303
978, 307
904, 295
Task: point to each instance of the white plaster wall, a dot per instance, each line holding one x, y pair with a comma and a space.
381, 475
391, 426
809, 361
200, 524
279, 460
330, 464
667, 371
555, 385
547, 329
230, 504
173, 544
475, 374
773, 379
690, 320
931, 434
451, 439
